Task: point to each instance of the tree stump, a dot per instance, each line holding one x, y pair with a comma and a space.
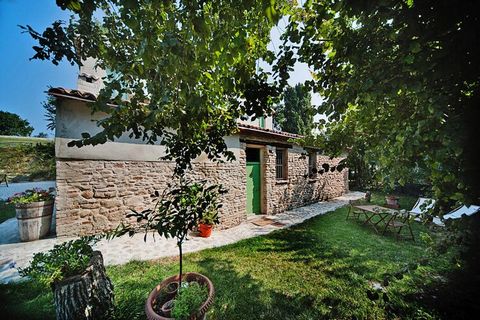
86, 296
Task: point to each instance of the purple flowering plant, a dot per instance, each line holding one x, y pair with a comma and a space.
32, 195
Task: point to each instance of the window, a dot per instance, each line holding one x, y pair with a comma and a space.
261, 122
281, 164
312, 164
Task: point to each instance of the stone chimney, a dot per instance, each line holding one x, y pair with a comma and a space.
90, 79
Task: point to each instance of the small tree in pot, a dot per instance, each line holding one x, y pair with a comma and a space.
178, 210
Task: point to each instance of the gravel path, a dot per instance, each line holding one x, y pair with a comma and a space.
125, 249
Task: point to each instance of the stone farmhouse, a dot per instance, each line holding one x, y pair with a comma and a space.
97, 186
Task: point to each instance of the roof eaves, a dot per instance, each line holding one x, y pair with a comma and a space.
90, 97
75, 95
246, 127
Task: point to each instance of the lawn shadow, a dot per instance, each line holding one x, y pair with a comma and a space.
26, 300
455, 295
312, 249
243, 297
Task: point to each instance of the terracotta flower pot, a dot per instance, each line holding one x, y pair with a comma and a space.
167, 308
158, 297
172, 288
204, 230
392, 201
34, 219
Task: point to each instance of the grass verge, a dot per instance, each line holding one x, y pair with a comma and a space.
14, 140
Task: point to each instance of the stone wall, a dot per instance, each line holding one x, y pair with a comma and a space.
299, 189
94, 195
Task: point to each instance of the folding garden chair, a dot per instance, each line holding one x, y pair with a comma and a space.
457, 214
399, 221
353, 211
421, 208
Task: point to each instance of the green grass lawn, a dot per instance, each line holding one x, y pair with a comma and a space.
320, 269
7, 210
12, 140
27, 158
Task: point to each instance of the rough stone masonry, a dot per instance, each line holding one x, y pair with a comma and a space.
95, 195
98, 185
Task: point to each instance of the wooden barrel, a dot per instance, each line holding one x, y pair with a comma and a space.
34, 219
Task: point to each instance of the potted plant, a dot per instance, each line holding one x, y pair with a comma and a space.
206, 223
392, 201
34, 210
77, 277
177, 211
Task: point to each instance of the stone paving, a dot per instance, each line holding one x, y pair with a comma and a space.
9, 231
9, 228
125, 249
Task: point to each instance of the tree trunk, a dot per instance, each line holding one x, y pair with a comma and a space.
86, 296
181, 267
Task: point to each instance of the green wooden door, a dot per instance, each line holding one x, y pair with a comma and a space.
253, 187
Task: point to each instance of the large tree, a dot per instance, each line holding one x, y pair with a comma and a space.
189, 66
400, 79
295, 114
12, 125
50, 112
183, 72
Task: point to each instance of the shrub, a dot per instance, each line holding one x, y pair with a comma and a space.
63, 261
210, 217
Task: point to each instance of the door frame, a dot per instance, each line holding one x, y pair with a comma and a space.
261, 150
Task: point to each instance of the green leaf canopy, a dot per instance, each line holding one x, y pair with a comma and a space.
180, 71
400, 80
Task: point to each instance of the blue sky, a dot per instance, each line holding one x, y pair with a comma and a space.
23, 82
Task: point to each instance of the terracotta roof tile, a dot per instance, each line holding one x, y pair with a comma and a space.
247, 127
87, 96
59, 91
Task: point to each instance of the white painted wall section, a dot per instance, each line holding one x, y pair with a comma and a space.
90, 79
75, 117
256, 122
